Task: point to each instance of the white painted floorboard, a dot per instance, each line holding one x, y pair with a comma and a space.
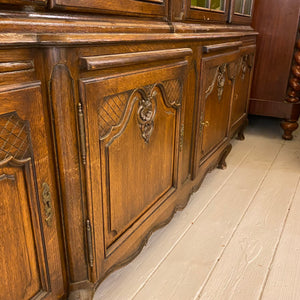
239, 236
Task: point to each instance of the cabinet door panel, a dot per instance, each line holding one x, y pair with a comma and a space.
218, 73
30, 260
133, 125
145, 7
132, 159
20, 262
242, 85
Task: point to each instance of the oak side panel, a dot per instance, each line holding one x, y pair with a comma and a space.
275, 47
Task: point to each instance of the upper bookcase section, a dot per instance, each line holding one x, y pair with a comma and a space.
207, 10
231, 11
241, 11
146, 8
193, 11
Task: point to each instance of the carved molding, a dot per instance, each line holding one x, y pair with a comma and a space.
146, 114
47, 204
7, 176
246, 63
14, 137
219, 78
111, 111
173, 90
293, 91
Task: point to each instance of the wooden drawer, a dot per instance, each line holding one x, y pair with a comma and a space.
133, 124
125, 7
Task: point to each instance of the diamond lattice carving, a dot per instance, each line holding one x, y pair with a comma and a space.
14, 137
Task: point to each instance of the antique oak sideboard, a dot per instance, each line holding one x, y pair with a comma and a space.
111, 114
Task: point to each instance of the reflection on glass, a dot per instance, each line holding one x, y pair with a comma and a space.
200, 3
217, 4
238, 6
247, 8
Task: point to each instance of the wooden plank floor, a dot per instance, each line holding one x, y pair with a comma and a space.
239, 236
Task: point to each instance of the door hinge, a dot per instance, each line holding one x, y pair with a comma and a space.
81, 133
89, 243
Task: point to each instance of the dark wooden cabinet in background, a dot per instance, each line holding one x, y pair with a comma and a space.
276, 81
109, 120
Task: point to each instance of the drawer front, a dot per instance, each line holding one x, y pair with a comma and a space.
242, 84
125, 7
218, 73
132, 126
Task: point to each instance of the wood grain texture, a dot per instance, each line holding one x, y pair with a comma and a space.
155, 8
275, 48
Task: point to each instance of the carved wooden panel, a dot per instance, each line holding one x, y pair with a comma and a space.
14, 137
133, 126
242, 84
29, 251
218, 74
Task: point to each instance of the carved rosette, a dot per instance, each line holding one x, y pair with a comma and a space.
146, 113
293, 91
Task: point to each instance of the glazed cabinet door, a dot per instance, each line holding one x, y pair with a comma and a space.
241, 11
134, 140
218, 73
156, 8
242, 87
30, 266
206, 10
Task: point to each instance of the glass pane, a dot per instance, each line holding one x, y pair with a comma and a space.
247, 9
238, 8
200, 3
217, 4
